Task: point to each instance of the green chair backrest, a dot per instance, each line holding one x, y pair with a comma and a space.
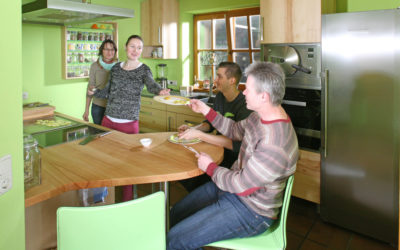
136, 224
273, 238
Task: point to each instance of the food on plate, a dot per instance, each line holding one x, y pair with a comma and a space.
183, 102
52, 123
175, 139
167, 98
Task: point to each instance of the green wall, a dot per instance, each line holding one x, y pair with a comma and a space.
12, 220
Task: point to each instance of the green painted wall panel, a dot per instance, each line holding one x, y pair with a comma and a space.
364, 5
12, 220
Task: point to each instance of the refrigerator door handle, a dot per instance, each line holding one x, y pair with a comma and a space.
326, 85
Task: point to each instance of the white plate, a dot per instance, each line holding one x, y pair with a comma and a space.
171, 99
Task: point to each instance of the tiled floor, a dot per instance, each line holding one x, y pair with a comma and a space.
305, 229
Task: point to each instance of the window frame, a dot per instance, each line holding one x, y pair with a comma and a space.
227, 15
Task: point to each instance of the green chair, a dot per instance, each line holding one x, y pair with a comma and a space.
136, 224
273, 238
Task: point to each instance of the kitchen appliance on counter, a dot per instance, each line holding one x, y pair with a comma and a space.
302, 101
162, 75
360, 146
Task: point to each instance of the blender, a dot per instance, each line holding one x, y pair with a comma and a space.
162, 75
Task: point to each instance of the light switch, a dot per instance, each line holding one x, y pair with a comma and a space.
5, 174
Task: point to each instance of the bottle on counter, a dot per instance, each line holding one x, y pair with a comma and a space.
32, 162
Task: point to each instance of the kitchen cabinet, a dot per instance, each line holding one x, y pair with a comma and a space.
159, 28
81, 45
307, 177
159, 117
293, 21
152, 116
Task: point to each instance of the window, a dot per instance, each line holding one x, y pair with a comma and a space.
226, 36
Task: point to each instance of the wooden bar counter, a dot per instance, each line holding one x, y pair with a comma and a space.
114, 160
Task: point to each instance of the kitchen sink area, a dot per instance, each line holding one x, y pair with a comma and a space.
54, 130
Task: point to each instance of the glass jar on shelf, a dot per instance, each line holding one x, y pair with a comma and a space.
73, 35
90, 36
79, 36
101, 36
95, 36
32, 162
68, 35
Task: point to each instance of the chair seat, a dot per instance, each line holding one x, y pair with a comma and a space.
273, 238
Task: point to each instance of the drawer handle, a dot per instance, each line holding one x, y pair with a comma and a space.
146, 113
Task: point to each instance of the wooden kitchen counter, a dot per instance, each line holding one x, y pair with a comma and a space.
114, 160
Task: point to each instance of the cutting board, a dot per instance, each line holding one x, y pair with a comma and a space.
34, 112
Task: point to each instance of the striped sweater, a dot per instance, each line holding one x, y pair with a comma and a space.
267, 158
124, 91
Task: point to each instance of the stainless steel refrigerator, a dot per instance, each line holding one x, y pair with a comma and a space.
360, 131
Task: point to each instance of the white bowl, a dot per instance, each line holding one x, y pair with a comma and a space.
146, 141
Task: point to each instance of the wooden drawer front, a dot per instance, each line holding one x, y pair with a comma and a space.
182, 109
152, 120
307, 182
184, 119
150, 103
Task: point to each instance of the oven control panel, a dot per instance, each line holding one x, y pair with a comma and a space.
300, 62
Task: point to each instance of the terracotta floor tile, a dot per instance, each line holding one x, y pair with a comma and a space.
311, 245
294, 241
359, 242
329, 235
299, 224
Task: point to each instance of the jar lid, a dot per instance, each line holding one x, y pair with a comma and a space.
29, 141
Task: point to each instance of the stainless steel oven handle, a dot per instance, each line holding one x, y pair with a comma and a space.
326, 82
294, 103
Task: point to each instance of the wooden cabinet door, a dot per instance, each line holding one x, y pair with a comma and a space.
291, 21
159, 27
151, 22
171, 122
186, 119
152, 120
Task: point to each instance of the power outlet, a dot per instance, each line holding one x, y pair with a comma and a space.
25, 95
5, 174
172, 82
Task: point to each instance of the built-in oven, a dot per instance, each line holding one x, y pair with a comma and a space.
302, 101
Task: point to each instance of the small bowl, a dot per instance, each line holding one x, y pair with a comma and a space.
146, 142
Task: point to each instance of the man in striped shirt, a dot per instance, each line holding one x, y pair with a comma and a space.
246, 199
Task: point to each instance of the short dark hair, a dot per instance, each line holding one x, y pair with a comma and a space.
133, 37
103, 44
232, 70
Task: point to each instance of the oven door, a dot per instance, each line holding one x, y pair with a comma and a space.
304, 109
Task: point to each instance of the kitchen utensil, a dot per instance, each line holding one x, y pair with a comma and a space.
191, 149
92, 137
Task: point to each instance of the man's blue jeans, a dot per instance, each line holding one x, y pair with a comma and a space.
209, 214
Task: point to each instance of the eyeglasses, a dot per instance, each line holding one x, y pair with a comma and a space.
109, 49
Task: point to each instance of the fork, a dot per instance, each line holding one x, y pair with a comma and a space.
190, 148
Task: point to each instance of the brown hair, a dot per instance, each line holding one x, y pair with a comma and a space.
103, 44
133, 37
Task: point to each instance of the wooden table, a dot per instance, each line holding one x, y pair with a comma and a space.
114, 160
